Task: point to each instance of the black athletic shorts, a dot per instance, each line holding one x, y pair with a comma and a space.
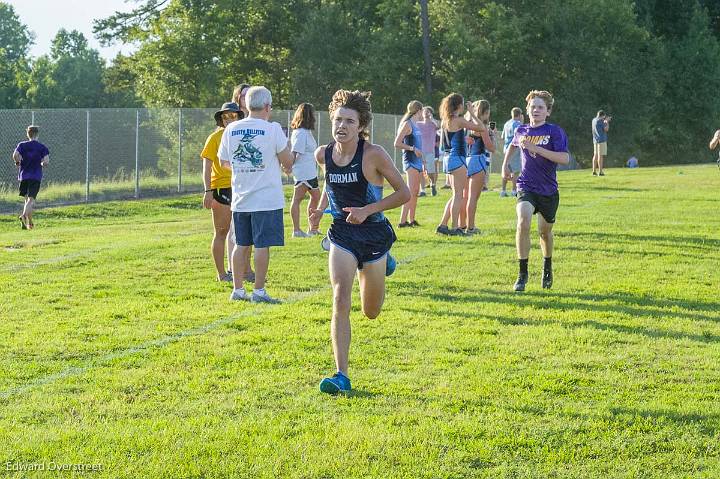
367, 242
547, 206
29, 188
311, 184
223, 195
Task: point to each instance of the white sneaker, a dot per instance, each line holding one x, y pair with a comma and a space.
263, 298
513, 193
300, 234
239, 295
313, 233
503, 194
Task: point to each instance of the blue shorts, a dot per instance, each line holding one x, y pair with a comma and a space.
454, 162
417, 164
367, 242
261, 229
477, 164
515, 161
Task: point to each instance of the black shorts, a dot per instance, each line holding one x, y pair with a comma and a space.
547, 206
311, 184
367, 242
29, 188
222, 195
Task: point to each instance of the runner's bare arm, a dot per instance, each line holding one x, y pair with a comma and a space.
316, 214
385, 167
559, 157
404, 130
715, 140
507, 174
286, 160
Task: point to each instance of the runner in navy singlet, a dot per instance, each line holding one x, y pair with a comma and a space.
477, 165
360, 235
408, 140
453, 126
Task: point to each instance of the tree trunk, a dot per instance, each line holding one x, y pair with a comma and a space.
426, 46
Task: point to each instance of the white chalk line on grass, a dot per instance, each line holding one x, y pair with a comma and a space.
56, 259
165, 340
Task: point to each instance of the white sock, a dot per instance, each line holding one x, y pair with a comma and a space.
260, 292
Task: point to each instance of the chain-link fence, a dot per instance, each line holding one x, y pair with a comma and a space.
109, 154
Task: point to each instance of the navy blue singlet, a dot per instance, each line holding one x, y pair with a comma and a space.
346, 186
478, 147
457, 142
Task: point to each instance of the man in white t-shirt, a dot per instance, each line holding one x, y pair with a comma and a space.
254, 149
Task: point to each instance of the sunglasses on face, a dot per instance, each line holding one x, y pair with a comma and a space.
229, 115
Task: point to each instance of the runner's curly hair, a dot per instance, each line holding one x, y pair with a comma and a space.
354, 100
546, 96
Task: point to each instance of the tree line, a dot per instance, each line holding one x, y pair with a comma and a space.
653, 64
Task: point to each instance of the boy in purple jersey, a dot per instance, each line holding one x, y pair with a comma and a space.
30, 157
543, 146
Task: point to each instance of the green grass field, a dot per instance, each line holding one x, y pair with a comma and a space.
118, 348
100, 190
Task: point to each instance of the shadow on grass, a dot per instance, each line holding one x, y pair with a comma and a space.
606, 188
674, 416
710, 423
699, 242
635, 306
638, 306
361, 394
573, 324
683, 244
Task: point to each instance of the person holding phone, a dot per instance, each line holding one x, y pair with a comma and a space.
714, 144
600, 127
483, 143
453, 125
492, 126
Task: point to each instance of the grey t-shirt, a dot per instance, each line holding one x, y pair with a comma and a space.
598, 130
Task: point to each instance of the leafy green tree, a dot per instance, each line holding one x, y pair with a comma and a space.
70, 77
119, 84
618, 55
678, 128
193, 52
590, 55
15, 41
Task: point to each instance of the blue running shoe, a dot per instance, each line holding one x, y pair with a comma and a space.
325, 244
390, 265
339, 383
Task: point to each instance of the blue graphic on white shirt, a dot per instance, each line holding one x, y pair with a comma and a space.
246, 152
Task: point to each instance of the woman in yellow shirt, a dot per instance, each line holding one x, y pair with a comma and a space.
218, 193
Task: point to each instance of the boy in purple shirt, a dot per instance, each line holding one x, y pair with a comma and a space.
543, 146
30, 157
